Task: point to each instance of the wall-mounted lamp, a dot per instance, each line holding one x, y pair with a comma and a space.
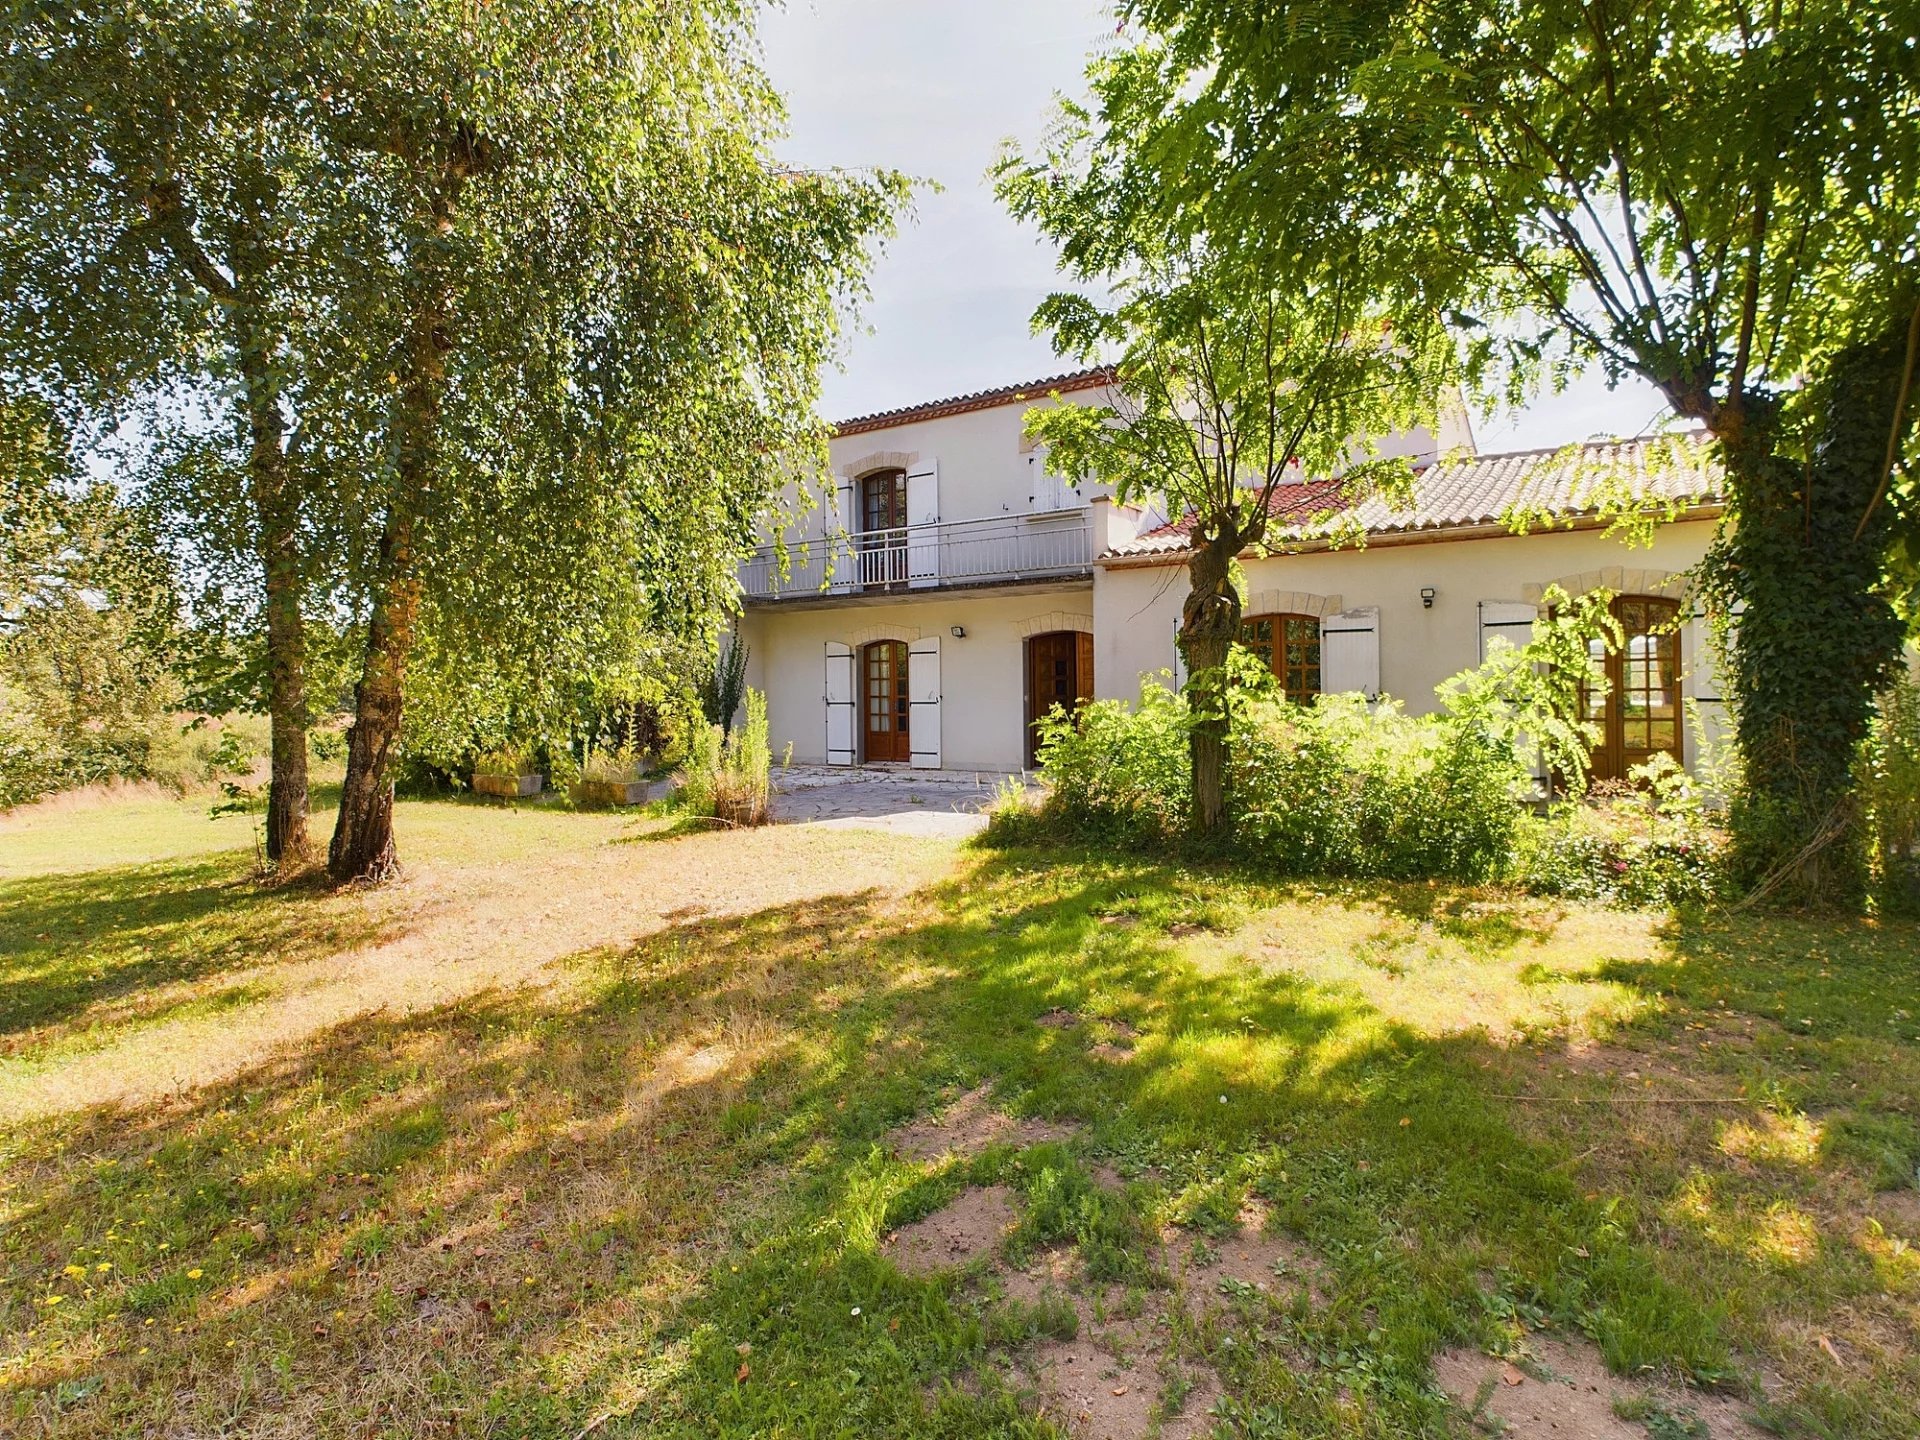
1426, 596
959, 632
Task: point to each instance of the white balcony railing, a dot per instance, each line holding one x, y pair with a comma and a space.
915, 557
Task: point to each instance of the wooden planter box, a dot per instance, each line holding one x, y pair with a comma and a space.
509, 787
613, 792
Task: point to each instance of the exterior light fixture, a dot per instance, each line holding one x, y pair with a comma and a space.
959, 632
1426, 596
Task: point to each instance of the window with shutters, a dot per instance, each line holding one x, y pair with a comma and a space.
1290, 646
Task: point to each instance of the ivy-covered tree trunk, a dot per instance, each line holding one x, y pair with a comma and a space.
1209, 624
1818, 638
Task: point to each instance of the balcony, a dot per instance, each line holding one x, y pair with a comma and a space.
950, 554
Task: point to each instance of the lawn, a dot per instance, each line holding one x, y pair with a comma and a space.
589, 1128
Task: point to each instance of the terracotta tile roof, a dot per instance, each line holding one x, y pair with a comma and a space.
977, 400
1565, 482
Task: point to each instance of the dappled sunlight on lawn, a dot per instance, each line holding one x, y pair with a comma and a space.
648, 1193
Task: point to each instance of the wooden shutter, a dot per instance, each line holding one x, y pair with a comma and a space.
1083, 666
923, 694
923, 513
1350, 652
839, 697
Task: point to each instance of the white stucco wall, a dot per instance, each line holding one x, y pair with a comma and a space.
983, 677
1137, 609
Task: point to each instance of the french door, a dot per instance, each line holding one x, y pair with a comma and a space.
1639, 714
883, 530
884, 701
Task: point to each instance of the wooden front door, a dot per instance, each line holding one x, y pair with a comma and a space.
1059, 672
884, 703
1639, 717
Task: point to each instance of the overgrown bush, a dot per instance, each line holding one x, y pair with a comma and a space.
1890, 797
1345, 787
730, 777
1358, 788
1116, 772
1642, 844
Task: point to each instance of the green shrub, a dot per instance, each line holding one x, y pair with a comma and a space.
1638, 845
1116, 772
1345, 787
1889, 772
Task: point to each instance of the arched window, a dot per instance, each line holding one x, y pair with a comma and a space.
1290, 646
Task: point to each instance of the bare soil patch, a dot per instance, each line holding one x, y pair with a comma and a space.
1057, 1019
1100, 1387
969, 1228
968, 1126
1561, 1390
1252, 1257
1898, 1211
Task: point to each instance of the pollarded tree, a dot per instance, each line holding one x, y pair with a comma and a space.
1238, 378
163, 204
1722, 197
585, 318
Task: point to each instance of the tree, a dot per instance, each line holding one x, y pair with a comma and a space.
585, 316
161, 203
1718, 196
1238, 377
88, 616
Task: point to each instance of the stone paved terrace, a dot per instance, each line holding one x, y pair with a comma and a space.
885, 797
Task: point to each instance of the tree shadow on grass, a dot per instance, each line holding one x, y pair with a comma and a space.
651, 1200
71, 942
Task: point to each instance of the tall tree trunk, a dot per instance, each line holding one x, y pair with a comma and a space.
276, 509
1818, 638
1209, 623
363, 847
276, 504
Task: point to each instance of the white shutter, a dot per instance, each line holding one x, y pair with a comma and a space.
1046, 492
840, 703
1704, 682
1512, 621
841, 559
1350, 652
923, 514
923, 698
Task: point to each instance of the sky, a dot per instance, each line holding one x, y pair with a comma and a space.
933, 89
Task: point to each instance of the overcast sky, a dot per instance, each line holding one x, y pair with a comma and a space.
932, 89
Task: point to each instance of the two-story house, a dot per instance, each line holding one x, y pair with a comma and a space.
954, 589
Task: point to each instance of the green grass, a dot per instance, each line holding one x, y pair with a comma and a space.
530, 1211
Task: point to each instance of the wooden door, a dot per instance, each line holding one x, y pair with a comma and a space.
883, 539
1059, 672
1639, 716
884, 702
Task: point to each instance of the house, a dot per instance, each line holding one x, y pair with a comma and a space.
953, 589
